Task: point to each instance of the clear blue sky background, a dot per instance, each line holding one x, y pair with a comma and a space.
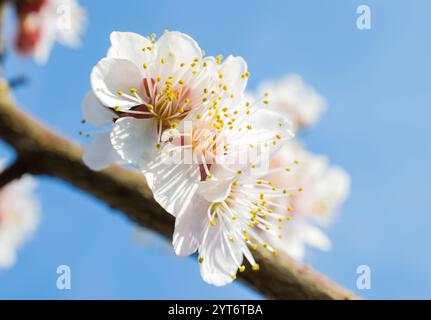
377, 127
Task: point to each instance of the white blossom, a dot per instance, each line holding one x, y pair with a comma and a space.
157, 82
322, 190
19, 217
184, 121
226, 223
292, 96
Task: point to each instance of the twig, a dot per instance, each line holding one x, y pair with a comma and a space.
47, 153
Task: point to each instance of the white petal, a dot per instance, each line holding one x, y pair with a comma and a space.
99, 153
268, 121
214, 190
292, 96
178, 47
295, 248
112, 75
95, 113
268, 127
190, 227
129, 45
7, 255
70, 29
135, 140
44, 46
233, 69
221, 257
313, 236
173, 185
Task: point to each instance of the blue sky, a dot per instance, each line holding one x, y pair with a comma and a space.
378, 87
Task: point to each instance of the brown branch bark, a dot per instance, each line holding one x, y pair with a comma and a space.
43, 152
13, 172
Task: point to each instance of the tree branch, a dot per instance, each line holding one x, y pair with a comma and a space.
13, 172
47, 153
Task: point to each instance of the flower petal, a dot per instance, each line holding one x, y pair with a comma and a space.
190, 227
7, 253
269, 130
314, 237
294, 248
173, 185
99, 153
233, 70
215, 191
177, 47
95, 113
221, 257
129, 46
110, 76
135, 140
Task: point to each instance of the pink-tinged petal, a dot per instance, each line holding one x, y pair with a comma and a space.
190, 227
220, 256
99, 153
113, 76
136, 140
95, 113
130, 46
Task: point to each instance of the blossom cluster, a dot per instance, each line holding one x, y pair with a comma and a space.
186, 122
19, 217
325, 186
42, 22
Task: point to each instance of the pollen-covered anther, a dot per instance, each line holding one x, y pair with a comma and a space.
245, 75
